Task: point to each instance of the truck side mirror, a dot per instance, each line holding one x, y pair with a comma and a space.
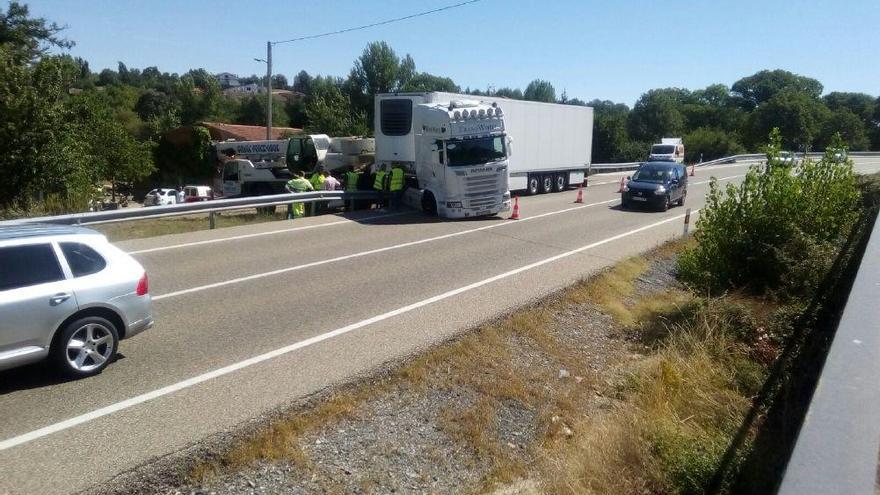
509, 146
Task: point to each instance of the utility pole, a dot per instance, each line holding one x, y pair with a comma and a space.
268, 90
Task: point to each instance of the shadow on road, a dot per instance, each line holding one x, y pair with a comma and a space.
37, 375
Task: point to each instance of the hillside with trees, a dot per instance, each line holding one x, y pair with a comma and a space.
68, 130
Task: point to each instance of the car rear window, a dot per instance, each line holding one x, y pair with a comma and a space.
82, 259
24, 266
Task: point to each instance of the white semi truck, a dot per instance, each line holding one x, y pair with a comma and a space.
457, 149
264, 167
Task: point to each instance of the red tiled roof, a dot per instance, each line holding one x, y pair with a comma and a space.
222, 132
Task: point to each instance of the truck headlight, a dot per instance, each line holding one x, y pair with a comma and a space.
660, 190
453, 204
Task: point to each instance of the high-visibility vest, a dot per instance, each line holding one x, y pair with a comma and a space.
351, 181
396, 179
300, 184
379, 183
317, 180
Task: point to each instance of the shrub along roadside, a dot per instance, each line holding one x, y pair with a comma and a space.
776, 233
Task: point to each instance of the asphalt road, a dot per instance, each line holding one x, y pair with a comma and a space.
253, 318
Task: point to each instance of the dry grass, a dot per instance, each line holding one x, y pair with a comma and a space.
280, 440
671, 416
139, 229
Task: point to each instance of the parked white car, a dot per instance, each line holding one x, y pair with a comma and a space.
161, 197
68, 295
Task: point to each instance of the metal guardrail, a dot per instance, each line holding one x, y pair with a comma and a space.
836, 449
210, 207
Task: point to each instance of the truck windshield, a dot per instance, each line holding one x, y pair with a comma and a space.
662, 149
468, 152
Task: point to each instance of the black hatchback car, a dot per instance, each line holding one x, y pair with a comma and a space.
656, 184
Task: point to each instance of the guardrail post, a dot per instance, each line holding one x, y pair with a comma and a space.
211, 220
290, 211
687, 222
312, 209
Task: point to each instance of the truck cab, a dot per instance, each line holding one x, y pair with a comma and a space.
454, 152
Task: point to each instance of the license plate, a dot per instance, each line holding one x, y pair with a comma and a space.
636, 198
482, 212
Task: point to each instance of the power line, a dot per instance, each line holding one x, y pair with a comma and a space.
380, 23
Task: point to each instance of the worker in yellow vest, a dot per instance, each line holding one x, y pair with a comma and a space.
296, 185
351, 180
395, 185
317, 179
379, 184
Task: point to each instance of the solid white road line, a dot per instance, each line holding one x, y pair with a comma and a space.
261, 234
365, 253
155, 394
359, 254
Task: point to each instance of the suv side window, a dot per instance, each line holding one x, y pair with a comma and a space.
24, 266
82, 259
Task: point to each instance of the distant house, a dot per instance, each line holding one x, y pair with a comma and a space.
227, 80
246, 89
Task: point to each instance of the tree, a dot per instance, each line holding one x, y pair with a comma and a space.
540, 90
423, 81
708, 144
764, 85
513, 94
26, 38
376, 71
302, 82
861, 104
329, 111
107, 77
279, 81
798, 115
656, 114
152, 104
847, 125
252, 111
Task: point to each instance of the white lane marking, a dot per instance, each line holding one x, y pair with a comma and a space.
365, 253
380, 250
155, 394
260, 234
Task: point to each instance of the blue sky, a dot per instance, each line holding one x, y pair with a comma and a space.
593, 49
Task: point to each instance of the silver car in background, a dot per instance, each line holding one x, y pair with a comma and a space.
69, 295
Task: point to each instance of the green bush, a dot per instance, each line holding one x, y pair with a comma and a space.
777, 232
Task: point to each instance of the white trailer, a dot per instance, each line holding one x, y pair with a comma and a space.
551, 144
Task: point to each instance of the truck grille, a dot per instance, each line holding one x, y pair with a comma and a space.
479, 186
482, 202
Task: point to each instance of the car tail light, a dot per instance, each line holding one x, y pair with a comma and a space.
143, 286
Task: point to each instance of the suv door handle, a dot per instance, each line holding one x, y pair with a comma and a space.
59, 298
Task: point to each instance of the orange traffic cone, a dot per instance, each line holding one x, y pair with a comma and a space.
693, 166
622, 185
515, 215
580, 198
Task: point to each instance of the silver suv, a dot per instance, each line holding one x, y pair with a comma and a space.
66, 293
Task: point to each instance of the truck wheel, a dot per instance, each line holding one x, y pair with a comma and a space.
681, 200
546, 184
665, 204
429, 204
560, 182
534, 185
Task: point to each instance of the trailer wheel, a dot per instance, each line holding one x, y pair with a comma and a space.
429, 204
560, 182
534, 185
547, 183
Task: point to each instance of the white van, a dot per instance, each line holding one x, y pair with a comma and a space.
668, 149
